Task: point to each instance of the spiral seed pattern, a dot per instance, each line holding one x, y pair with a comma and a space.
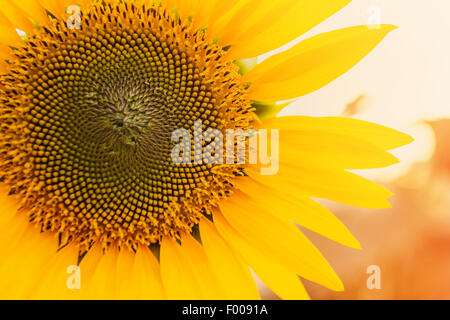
87, 117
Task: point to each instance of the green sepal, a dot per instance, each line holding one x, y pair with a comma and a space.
246, 65
267, 110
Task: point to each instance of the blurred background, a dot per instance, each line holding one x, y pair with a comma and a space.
405, 84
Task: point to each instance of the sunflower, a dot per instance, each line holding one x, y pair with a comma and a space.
90, 94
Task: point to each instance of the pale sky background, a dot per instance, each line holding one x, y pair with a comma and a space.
407, 77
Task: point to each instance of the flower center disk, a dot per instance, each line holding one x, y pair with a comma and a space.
88, 117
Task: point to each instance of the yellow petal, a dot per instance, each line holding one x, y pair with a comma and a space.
312, 63
220, 8
25, 253
8, 33
53, 281
138, 276
264, 25
336, 185
195, 258
291, 206
204, 13
200, 10
281, 280
178, 279
279, 240
24, 266
233, 276
88, 267
251, 12
101, 282
221, 12
56, 7
85, 3
315, 148
120, 274
34, 10
16, 15
379, 136
147, 274
126, 285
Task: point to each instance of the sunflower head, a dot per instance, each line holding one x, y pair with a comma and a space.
87, 118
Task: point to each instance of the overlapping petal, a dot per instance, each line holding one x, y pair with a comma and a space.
279, 240
312, 63
260, 26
